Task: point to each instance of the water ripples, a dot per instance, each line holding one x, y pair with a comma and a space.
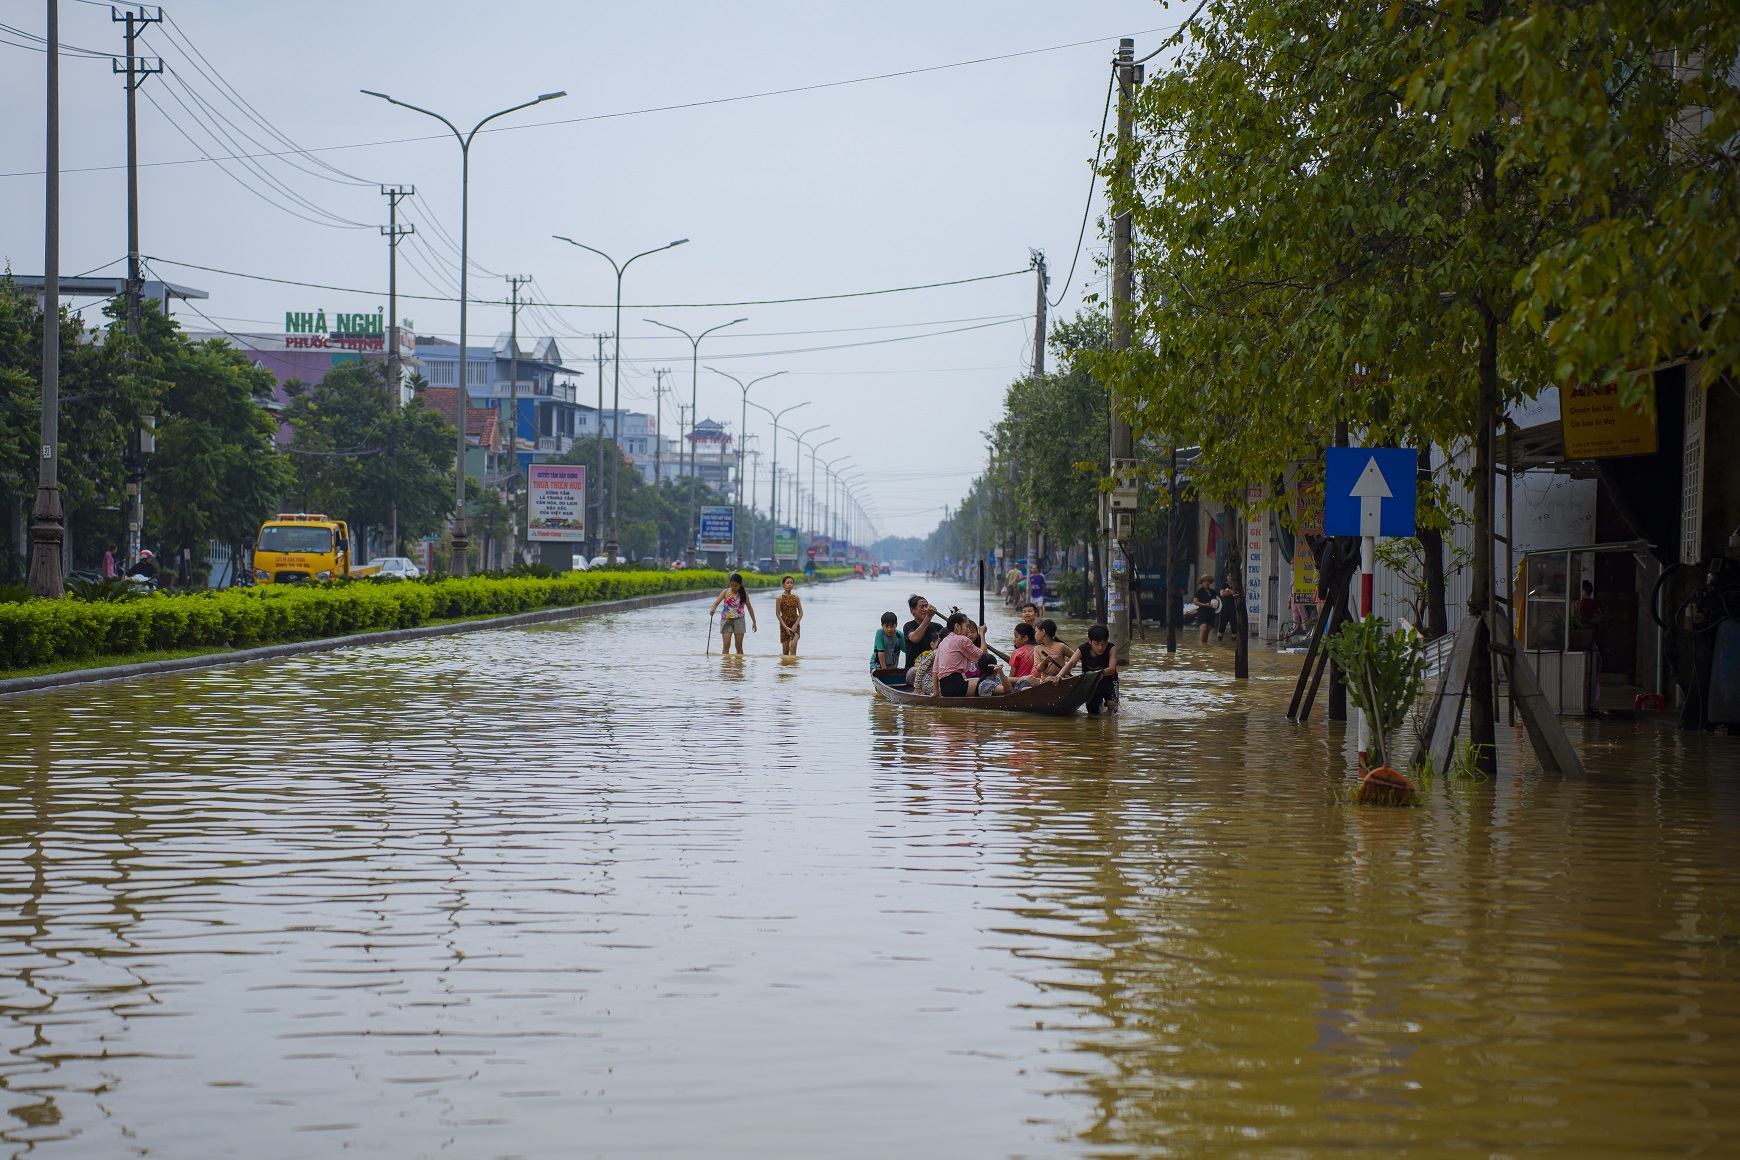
577, 890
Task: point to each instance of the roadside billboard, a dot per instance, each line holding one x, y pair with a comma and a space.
717, 529
1597, 427
785, 544
558, 502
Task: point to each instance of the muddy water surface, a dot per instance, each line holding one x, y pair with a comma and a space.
581, 890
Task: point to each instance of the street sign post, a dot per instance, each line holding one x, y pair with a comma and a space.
1369, 492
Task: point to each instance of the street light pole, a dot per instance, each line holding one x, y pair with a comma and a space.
616, 362
796, 476
47, 530
773, 477
814, 496
694, 413
742, 428
461, 528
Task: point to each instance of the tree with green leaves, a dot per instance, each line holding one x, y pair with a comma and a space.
1630, 114
362, 457
217, 471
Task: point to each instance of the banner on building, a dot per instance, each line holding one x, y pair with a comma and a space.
1597, 427
558, 502
1256, 538
718, 532
785, 544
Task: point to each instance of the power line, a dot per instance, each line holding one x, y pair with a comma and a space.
1093, 177
642, 111
604, 305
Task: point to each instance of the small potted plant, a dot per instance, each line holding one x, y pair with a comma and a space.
1384, 671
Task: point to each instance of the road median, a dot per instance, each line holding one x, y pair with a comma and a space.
242, 626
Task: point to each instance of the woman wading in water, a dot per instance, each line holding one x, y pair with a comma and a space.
735, 598
789, 611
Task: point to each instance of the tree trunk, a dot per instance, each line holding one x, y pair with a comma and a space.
1431, 559
1240, 626
1482, 704
1336, 709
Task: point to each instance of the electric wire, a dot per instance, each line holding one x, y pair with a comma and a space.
1093, 178
219, 134
643, 111
605, 305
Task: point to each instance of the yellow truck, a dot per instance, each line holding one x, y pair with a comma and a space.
296, 546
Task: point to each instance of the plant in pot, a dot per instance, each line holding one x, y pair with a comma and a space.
1384, 671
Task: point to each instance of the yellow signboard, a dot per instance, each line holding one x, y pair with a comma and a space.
1597, 427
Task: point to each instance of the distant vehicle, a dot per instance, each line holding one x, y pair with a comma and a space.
596, 561
653, 560
398, 567
297, 546
764, 565
578, 563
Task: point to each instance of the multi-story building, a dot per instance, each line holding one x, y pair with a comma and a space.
551, 416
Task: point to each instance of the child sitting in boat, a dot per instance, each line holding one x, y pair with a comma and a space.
1021, 657
887, 648
1052, 659
991, 680
957, 658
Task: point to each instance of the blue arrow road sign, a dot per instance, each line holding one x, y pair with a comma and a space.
1369, 491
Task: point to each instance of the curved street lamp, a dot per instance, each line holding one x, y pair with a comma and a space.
461, 527
743, 426
694, 413
815, 496
773, 482
797, 476
616, 373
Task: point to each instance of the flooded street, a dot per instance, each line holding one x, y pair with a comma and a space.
582, 891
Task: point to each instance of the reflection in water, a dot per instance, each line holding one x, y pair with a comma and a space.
480, 896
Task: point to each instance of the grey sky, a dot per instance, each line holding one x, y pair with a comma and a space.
947, 174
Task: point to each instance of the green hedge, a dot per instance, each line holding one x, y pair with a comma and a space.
39, 632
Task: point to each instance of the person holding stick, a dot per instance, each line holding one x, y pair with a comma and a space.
735, 598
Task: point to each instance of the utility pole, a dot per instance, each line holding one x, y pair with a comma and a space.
1122, 443
47, 531
659, 374
137, 69
515, 281
754, 477
141, 441
1044, 280
393, 231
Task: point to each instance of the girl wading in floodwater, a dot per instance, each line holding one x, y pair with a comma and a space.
789, 611
735, 598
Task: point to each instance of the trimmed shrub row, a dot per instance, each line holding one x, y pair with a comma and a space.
40, 632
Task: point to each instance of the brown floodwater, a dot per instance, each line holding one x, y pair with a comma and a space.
583, 891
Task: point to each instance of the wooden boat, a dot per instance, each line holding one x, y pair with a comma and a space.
1057, 699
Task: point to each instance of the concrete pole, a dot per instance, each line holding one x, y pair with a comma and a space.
1122, 442
1042, 281
515, 281
46, 530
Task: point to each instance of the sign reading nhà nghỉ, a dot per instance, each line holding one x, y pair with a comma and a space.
558, 502
1597, 427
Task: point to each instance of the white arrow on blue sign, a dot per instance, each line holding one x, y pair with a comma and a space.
1369, 491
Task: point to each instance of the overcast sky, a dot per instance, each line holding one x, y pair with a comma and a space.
947, 174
